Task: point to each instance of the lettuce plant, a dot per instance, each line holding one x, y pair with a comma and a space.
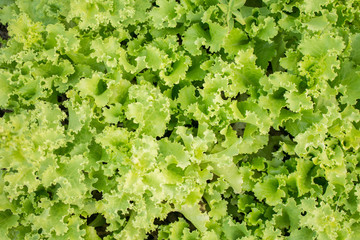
190, 119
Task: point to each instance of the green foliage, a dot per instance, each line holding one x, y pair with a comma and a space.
214, 119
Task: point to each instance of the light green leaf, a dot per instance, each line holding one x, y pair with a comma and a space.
269, 190
8, 220
149, 108
5, 88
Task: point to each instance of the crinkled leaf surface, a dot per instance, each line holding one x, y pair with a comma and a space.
186, 119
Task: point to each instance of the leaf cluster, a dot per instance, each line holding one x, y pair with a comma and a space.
214, 119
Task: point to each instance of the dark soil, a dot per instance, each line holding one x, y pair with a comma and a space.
4, 32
